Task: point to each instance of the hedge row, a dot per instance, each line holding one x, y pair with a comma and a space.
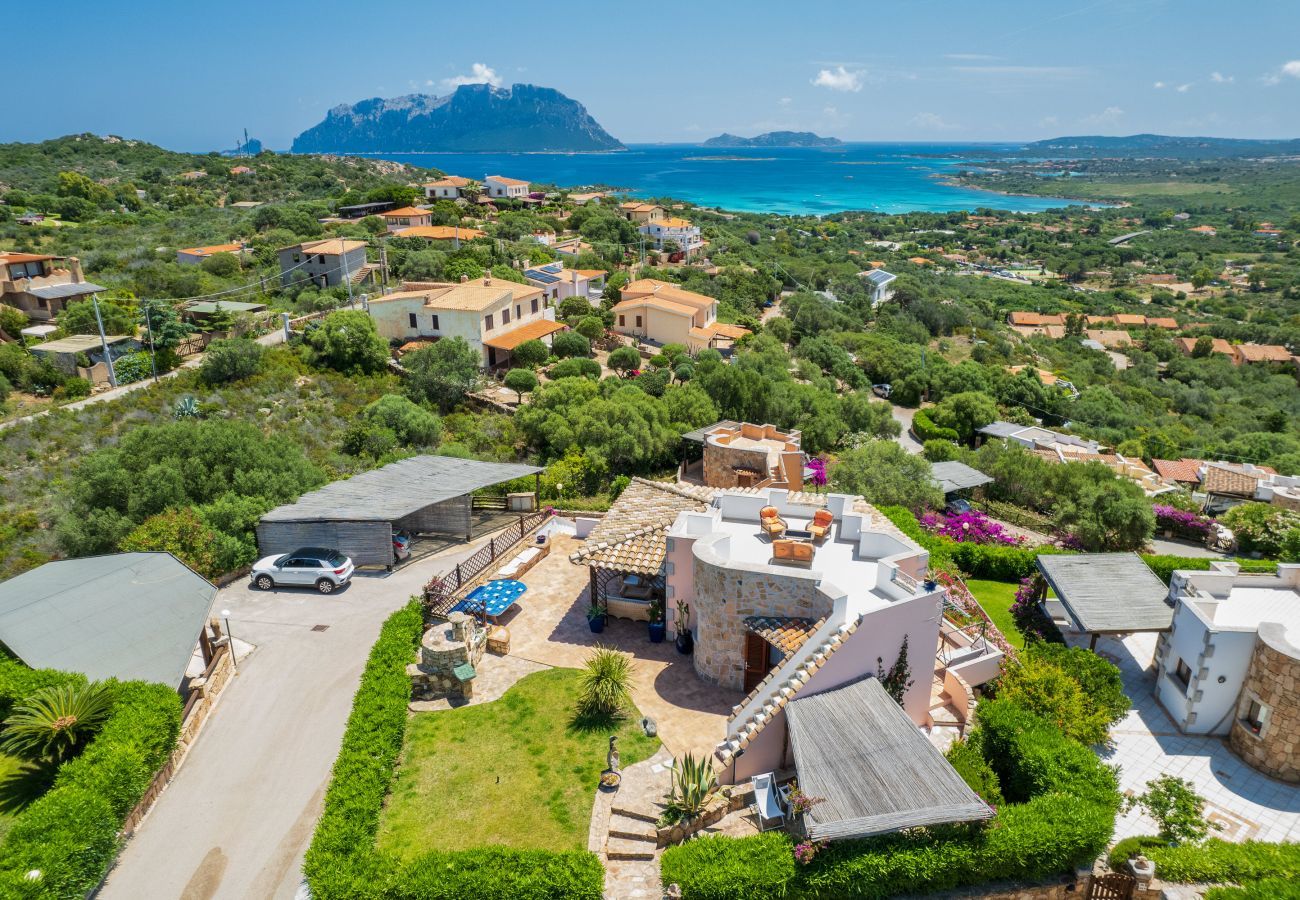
1061, 811
69, 834
343, 862
1222, 862
924, 428
1010, 564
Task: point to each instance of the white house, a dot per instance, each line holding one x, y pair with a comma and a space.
558, 282
1205, 665
679, 231
497, 186
878, 282
448, 188
492, 316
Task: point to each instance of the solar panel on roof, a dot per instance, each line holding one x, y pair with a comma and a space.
543, 277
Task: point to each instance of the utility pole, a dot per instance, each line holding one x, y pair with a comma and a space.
383, 261
148, 324
103, 342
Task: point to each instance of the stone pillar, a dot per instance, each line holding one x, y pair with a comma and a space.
462, 627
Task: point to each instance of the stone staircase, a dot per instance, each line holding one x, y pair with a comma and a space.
631, 834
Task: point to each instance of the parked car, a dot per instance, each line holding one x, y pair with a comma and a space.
957, 506
401, 546
318, 567
882, 390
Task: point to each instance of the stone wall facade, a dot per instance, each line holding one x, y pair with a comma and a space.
720, 465
725, 596
1273, 680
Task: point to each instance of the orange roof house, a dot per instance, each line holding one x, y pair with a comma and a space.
1208, 230
440, 233
1129, 319
1162, 322
1179, 471
1032, 318
1262, 353
1217, 345
920, 261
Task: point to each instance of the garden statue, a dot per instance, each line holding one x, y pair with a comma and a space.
612, 759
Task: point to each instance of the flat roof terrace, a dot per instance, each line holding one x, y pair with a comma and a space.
871, 567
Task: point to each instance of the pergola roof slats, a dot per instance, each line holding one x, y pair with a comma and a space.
1108, 593
856, 748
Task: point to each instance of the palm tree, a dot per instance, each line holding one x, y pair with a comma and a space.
56, 722
605, 689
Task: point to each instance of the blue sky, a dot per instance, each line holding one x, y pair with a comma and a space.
191, 76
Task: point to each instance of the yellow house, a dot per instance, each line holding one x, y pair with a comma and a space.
492, 316
406, 217
659, 312
642, 213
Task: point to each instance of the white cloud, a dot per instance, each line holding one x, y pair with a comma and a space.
785, 101
931, 122
1220, 78
1288, 69
1108, 116
839, 79
1184, 88
1158, 85
479, 74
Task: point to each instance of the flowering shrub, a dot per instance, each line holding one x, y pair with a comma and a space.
817, 466
1070, 541
1030, 618
805, 850
970, 528
800, 802
963, 609
1182, 523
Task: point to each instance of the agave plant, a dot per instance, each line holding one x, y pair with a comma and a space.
56, 722
693, 783
186, 408
606, 678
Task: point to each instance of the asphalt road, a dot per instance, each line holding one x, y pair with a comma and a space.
903, 416
237, 819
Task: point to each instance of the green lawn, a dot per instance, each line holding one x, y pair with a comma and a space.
996, 597
21, 782
513, 772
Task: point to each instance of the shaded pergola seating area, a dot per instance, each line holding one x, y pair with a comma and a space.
1107, 593
875, 771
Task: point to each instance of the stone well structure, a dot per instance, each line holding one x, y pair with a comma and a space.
449, 654
1272, 682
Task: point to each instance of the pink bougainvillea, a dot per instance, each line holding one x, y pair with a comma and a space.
971, 527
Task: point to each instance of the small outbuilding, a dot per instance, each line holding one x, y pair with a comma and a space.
131, 616
423, 495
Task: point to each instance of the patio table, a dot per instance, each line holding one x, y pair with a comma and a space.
492, 599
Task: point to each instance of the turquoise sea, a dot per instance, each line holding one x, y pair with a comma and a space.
887, 178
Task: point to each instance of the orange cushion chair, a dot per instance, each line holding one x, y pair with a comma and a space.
820, 525
771, 522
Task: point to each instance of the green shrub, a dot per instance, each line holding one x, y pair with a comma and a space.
1222, 862
1103, 687
989, 561
70, 833
57, 721
975, 771
1164, 566
1268, 889
721, 868
342, 861
926, 430
1130, 847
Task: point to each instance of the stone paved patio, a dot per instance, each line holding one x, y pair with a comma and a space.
1147, 744
549, 626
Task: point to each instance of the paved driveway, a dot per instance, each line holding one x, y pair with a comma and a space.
238, 817
903, 416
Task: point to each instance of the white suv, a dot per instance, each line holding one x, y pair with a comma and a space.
307, 566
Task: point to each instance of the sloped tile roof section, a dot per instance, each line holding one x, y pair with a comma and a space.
632, 537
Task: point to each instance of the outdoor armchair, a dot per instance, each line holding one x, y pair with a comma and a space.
771, 522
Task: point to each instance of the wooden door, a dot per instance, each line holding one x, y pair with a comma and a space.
756, 667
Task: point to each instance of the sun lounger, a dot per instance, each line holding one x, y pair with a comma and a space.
767, 805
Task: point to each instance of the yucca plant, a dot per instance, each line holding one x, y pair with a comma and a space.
54, 723
605, 688
693, 782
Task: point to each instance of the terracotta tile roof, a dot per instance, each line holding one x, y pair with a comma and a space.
1185, 470
1217, 345
471, 295
1162, 322
441, 233
406, 212
512, 339
647, 287
1129, 319
735, 332
920, 261
1220, 479
1263, 353
659, 303
1101, 320
501, 179
450, 181
6, 258
1204, 229
329, 247
215, 248
778, 694
1109, 338
632, 537
1033, 318
785, 633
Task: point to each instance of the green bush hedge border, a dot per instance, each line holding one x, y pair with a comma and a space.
343, 862
69, 834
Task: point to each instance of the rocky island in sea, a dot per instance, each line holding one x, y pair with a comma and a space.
774, 139
522, 118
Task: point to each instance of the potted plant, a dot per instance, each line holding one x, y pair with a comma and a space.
931, 579
596, 618
658, 628
685, 642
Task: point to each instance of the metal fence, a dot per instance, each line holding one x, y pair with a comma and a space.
442, 593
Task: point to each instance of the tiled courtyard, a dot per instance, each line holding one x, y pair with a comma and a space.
1147, 744
549, 626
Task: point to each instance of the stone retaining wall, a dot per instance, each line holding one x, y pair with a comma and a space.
1273, 679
